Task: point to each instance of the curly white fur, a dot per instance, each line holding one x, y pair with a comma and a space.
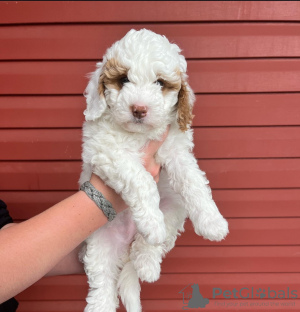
132, 246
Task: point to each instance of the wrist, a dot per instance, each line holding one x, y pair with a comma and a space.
109, 193
97, 197
102, 187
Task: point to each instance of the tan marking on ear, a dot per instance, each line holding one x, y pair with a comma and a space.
112, 74
184, 109
101, 86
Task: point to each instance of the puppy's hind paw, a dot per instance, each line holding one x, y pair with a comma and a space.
155, 233
147, 269
156, 236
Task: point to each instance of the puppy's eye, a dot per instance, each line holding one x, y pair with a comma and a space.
159, 83
124, 80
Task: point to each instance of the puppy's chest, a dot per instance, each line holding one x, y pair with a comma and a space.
108, 139
130, 142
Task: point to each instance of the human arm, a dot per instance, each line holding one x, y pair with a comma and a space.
71, 264
50, 240
32, 248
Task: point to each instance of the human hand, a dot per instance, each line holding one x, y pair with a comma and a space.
149, 151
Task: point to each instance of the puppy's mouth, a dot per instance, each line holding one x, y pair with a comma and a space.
138, 120
138, 125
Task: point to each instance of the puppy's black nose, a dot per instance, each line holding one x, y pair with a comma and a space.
139, 111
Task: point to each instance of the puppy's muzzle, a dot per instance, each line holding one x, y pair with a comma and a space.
138, 111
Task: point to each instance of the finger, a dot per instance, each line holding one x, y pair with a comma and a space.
152, 147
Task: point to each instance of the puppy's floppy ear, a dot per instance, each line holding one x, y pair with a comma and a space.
94, 94
186, 99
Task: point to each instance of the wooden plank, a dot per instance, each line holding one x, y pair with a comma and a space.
58, 144
232, 259
227, 76
246, 109
258, 142
258, 203
167, 287
222, 174
252, 173
221, 40
280, 305
232, 203
209, 143
56, 175
262, 203
150, 11
41, 111
260, 173
44, 77
41, 144
206, 76
250, 232
169, 283
209, 110
24, 205
52, 306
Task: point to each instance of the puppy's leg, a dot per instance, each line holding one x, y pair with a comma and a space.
146, 259
127, 176
190, 182
129, 287
101, 267
103, 261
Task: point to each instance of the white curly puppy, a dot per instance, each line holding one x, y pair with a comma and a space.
135, 93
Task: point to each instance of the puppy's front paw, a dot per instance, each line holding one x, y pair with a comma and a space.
211, 226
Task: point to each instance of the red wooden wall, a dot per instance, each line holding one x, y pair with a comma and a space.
244, 66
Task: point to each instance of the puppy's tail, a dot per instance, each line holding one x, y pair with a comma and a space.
129, 288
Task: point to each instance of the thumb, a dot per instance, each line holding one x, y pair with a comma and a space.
153, 145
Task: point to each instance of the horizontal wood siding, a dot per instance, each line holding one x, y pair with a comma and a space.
206, 76
230, 142
130, 11
72, 287
244, 66
163, 305
256, 109
198, 40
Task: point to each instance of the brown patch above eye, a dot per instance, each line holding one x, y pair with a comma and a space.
112, 75
170, 85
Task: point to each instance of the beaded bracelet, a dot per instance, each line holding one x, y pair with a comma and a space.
98, 198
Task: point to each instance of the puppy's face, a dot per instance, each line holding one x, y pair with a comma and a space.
142, 83
139, 94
